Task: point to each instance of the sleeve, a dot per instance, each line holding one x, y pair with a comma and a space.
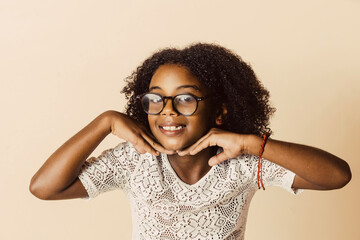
106, 172
275, 175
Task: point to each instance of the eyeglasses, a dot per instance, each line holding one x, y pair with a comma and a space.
184, 104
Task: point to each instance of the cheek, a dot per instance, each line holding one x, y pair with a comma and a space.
201, 125
206, 118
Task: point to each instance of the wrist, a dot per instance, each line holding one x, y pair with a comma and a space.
252, 144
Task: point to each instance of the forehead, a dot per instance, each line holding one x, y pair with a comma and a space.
171, 76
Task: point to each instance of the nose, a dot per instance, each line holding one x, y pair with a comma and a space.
168, 108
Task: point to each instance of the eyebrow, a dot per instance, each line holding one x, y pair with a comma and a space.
180, 87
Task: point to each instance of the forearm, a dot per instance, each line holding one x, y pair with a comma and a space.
313, 165
63, 166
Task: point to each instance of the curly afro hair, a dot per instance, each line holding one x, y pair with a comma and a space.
230, 80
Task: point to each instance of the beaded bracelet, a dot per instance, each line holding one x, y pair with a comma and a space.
259, 175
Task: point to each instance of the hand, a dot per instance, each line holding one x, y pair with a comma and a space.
233, 145
128, 129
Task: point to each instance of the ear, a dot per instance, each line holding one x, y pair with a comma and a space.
221, 114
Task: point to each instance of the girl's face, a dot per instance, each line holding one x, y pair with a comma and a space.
170, 80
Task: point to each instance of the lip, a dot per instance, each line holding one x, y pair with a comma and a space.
172, 133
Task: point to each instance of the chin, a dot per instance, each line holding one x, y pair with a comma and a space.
174, 146
171, 147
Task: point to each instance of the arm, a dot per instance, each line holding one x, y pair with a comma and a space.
63, 166
314, 168
57, 178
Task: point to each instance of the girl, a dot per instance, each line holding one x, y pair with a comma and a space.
196, 132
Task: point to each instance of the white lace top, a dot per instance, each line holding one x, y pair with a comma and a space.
165, 207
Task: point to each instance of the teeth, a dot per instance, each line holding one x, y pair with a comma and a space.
172, 128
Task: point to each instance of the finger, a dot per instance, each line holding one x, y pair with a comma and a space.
207, 142
148, 133
143, 146
148, 143
139, 149
151, 139
185, 151
195, 148
218, 159
156, 146
189, 149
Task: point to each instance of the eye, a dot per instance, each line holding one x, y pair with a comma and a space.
185, 99
155, 99
152, 98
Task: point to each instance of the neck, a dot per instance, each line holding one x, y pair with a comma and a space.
191, 168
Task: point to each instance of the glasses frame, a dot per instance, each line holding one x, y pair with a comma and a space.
172, 102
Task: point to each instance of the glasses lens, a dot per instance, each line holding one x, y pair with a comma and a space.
152, 103
185, 104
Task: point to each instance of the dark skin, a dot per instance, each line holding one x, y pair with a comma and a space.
314, 168
191, 153
170, 80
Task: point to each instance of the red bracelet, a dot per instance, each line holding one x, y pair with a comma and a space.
259, 175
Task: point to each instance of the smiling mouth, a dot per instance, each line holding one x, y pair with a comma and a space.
172, 128
172, 131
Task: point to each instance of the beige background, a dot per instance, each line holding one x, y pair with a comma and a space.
63, 62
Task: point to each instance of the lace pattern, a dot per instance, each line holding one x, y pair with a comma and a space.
165, 207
